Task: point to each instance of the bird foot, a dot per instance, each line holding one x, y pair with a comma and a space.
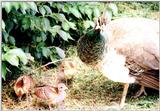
122, 105
50, 107
139, 93
61, 106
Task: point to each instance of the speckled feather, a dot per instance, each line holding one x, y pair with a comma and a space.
91, 46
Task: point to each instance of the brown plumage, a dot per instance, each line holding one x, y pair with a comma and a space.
65, 70
51, 94
23, 85
132, 53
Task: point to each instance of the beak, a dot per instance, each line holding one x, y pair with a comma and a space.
66, 88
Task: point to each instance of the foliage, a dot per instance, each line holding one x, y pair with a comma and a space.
44, 28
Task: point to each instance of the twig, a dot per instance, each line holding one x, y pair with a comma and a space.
46, 65
49, 64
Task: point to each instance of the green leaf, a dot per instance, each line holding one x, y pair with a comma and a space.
82, 9
114, 8
65, 26
75, 12
23, 11
88, 23
37, 22
61, 17
48, 10
38, 39
16, 53
3, 25
16, 5
7, 6
12, 40
46, 52
5, 36
88, 11
9, 25
52, 39
96, 12
4, 71
24, 6
53, 57
26, 23
5, 48
12, 59
38, 55
69, 36
50, 3
66, 8
39, 46
72, 25
43, 36
21, 55
33, 6
46, 24
53, 30
30, 57
60, 52
59, 6
65, 36
42, 10
3, 59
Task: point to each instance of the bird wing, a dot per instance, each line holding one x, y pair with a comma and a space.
51, 92
149, 79
18, 87
28, 83
137, 39
46, 92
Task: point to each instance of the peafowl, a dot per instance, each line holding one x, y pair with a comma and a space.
51, 94
126, 50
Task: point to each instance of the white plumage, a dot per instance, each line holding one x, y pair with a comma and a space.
113, 67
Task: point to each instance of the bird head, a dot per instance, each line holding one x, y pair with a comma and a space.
91, 46
62, 87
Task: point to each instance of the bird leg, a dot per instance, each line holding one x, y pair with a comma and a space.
50, 108
142, 90
20, 98
27, 95
61, 106
29, 100
125, 90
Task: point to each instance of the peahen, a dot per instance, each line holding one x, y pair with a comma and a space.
126, 50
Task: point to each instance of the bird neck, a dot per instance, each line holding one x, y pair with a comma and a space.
62, 93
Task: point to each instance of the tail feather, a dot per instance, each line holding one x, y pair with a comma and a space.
149, 79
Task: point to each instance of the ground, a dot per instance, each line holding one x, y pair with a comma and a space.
87, 88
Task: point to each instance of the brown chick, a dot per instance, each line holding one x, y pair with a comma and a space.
51, 94
23, 85
65, 70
